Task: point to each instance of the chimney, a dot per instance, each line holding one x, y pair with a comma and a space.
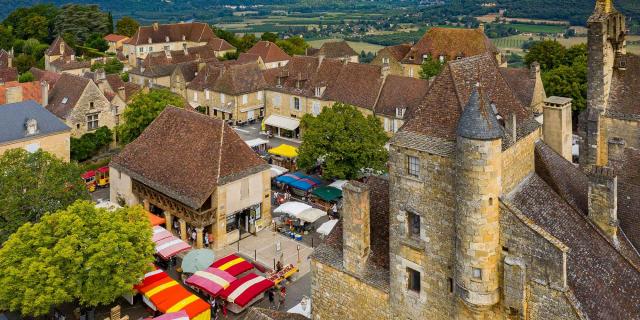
356, 226
615, 149
481, 27
557, 125
155, 26
122, 94
511, 127
603, 201
534, 70
44, 87
201, 65
101, 74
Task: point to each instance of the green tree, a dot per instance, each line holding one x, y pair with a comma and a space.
82, 21
33, 22
548, 53
430, 68
6, 37
36, 27
143, 109
89, 144
127, 26
125, 76
269, 36
112, 66
110, 26
97, 42
24, 62
293, 45
26, 77
32, 184
344, 140
81, 255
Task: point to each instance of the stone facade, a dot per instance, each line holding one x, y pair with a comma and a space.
238, 108
386, 58
57, 144
557, 127
91, 102
338, 295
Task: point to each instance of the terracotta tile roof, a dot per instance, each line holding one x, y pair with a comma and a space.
30, 91
398, 52
188, 172
376, 272
336, 50
115, 37
440, 111
606, 285
232, 79
65, 94
357, 84
194, 32
269, 52
115, 82
154, 71
247, 57
54, 48
413, 92
624, 83
522, 83
8, 74
42, 75
64, 65
451, 43
220, 44
295, 77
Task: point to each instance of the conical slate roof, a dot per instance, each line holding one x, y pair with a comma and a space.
478, 120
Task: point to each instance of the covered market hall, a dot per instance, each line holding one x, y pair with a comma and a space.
196, 173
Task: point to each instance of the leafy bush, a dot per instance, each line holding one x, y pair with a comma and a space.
26, 77
90, 144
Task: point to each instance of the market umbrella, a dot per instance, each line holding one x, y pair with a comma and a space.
180, 315
311, 215
327, 193
326, 227
197, 260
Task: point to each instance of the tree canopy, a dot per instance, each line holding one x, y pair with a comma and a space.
564, 71
32, 184
80, 254
344, 140
97, 42
269, 36
143, 109
430, 68
81, 21
293, 45
111, 66
127, 26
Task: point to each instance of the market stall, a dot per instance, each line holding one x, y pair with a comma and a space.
180, 315
326, 196
292, 208
311, 215
160, 292
285, 156
155, 220
258, 144
168, 247
233, 264
212, 281
246, 291
277, 171
160, 233
289, 177
279, 276
326, 227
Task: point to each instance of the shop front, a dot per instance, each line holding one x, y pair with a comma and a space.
283, 127
243, 223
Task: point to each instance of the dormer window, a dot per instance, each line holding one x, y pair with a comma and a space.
318, 91
400, 112
425, 57
279, 85
31, 126
166, 39
385, 60
65, 100
150, 41
184, 37
298, 84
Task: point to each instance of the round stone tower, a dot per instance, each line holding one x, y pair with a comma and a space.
478, 186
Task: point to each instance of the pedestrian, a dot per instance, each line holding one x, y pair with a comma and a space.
193, 235
214, 308
283, 295
334, 209
272, 295
224, 308
206, 240
278, 266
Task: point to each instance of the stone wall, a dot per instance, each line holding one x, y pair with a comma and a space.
57, 144
120, 187
431, 196
518, 161
77, 119
628, 130
395, 67
339, 296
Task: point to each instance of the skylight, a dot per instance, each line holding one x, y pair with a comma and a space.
65, 99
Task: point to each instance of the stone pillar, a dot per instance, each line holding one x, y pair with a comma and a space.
145, 204
168, 218
356, 226
603, 201
183, 230
557, 126
199, 240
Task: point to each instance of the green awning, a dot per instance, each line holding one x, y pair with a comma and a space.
327, 193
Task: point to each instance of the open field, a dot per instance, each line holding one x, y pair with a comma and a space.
488, 18
357, 46
538, 28
514, 43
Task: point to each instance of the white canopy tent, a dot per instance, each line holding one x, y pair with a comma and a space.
256, 142
277, 171
326, 227
338, 184
282, 122
311, 215
292, 208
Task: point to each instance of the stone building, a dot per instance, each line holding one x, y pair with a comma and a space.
12, 92
61, 58
484, 219
231, 92
166, 37
29, 126
272, 56
115, 42
527, 83
447, 44
80, 104
118, 92
7, 71
392, 57
196, 169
